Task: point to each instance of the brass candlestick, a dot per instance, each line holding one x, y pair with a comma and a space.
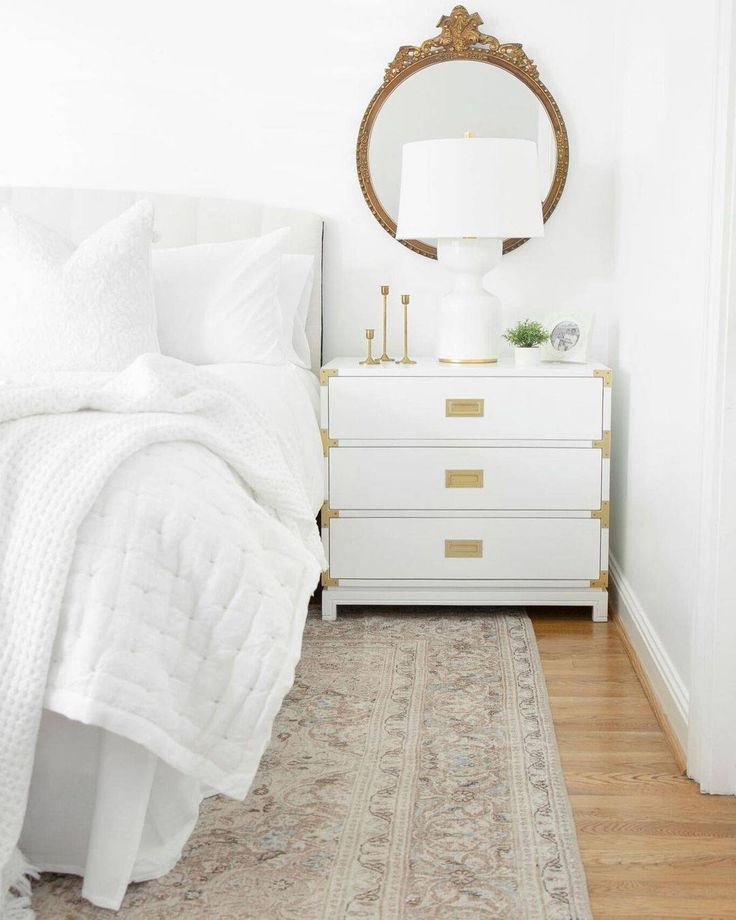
406, 359
369, 333
384, 294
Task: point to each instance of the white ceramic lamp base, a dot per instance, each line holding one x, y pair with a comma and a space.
467, 329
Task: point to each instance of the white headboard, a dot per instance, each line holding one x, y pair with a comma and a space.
180, 220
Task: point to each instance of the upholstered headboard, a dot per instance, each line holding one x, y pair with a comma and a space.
180, 220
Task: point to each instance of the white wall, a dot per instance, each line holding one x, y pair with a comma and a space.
263, 101
711, 726
661, 219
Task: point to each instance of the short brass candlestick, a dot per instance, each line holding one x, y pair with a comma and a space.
406, 359
384, 294
369, 333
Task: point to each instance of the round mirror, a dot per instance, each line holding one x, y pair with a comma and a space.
473, 84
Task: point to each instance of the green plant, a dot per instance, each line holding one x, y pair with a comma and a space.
527, 333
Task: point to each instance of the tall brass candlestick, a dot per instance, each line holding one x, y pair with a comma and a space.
369, 333
384, 294
406, 359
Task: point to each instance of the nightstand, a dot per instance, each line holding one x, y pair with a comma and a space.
466, 484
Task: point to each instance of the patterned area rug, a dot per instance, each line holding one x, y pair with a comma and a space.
413, 773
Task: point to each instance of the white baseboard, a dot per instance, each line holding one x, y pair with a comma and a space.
664, 680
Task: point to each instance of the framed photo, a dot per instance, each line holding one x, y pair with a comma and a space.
569, 335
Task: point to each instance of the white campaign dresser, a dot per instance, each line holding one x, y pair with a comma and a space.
466, 484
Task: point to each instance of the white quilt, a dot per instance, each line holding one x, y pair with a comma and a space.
194, 599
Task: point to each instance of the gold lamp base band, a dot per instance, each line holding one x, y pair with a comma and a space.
467, 360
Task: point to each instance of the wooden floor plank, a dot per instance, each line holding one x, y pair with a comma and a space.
598, 687
693, 808
654, 908
654, 848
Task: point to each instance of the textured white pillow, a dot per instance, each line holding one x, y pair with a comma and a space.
295, 291
86, 309
218, 303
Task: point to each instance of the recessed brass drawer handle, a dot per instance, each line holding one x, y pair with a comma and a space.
463, 479
464, 408
463, 549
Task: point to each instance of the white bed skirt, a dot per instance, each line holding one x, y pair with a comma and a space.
105, 808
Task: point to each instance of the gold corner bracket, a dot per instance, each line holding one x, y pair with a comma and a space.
325, 374
604, 445
606, 376
327, 442
327, 514
601, 582
603, 515
328, 582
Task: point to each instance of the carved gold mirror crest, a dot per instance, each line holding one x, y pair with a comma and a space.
509, 100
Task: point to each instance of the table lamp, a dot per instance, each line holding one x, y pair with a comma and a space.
470, 194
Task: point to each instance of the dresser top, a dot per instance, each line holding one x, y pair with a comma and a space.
431, 367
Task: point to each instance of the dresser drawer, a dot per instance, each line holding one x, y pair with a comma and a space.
472, 548
460, 478
513, 408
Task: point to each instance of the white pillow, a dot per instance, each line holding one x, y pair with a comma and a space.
295, 292
218, 303
76, 310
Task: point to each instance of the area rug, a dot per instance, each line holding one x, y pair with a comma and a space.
412, 773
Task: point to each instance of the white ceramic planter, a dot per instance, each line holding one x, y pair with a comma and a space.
527, 357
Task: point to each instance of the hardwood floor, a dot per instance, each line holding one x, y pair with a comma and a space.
652, 845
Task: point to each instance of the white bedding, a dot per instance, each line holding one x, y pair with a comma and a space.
289, 396
114, 619
181, 619
104, 808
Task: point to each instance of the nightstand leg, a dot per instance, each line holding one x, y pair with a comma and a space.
329, 606
600, 608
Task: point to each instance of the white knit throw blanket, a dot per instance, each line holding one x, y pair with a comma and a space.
55, 458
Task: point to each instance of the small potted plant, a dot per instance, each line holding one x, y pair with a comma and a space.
526, 337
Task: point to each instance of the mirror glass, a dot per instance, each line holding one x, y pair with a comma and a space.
446, 100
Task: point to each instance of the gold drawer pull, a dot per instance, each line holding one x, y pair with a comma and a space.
463, 479
464, 408
463, 549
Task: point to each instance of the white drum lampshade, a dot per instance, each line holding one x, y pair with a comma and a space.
470, 194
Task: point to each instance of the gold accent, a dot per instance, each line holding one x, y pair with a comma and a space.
463, 479
464, 408
326, 373
328, 582
463, 549
603, 515
605, 375
467, 360
384, 294
406, 359
370, 360
327, 442
327, 514
460, 39
469, 134
604, 444
601, 582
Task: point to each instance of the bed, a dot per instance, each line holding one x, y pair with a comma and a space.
102, 803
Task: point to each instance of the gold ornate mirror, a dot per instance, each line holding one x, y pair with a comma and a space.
421, 101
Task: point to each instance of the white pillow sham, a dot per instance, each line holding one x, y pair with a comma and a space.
295, 292
218, 303
89, 309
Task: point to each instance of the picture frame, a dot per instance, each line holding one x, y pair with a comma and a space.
570, 333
